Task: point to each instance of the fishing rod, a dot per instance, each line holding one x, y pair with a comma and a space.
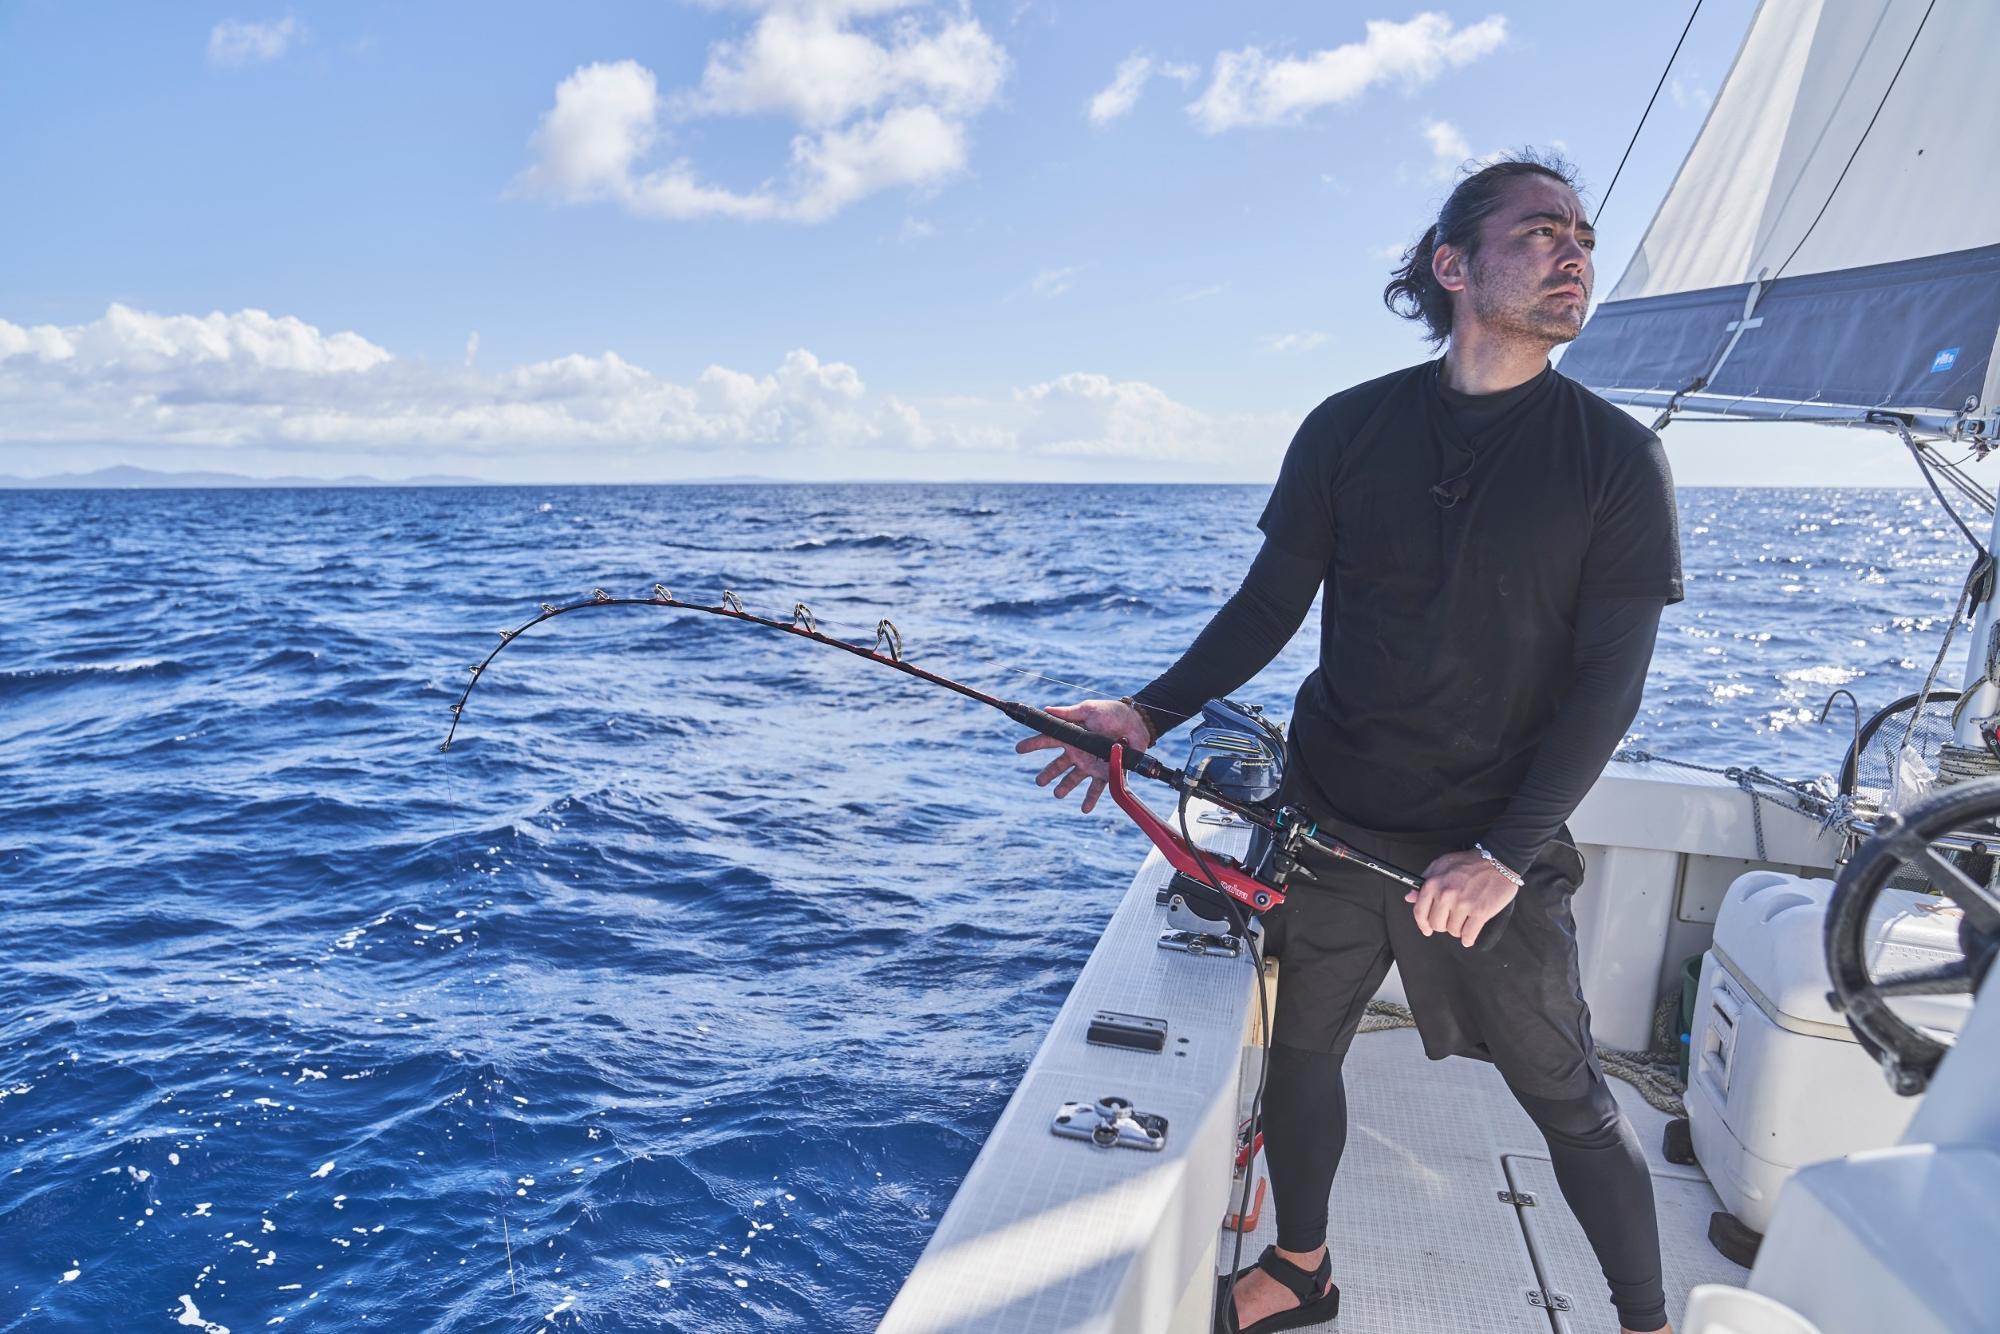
1259, 888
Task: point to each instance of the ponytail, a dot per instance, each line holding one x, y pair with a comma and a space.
1413, 291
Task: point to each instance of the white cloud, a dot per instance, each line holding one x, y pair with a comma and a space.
1305, 340
251, 381
604, 119
472, 348
1052, 283
251, 378
1451, 154
1689, 94
1128, 81
916, 229
130, 343
1083, 413
1198, 294
1122, 93
879, 108
1449, 151
806, 61
1248, 87
235, 43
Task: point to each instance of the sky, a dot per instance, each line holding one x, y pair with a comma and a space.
799, 239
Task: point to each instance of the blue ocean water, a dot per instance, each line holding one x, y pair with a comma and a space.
680, 993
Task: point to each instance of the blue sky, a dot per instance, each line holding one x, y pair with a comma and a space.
793, 238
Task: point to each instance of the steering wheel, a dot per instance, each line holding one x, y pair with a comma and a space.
1908, 1056
1895, 711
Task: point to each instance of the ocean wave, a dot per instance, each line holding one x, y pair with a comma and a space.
1063, 603
873, 542
24, 680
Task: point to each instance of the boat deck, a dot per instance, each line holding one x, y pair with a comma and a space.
1422, 1238
1047, 1233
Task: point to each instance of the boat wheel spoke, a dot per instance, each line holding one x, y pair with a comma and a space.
1946, 979
1982, 907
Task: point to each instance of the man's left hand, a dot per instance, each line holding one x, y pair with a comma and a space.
1462, 892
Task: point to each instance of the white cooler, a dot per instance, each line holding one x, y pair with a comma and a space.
1775, 1077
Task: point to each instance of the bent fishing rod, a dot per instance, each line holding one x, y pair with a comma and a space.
1291, 832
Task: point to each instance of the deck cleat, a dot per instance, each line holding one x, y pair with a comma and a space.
1111, 1123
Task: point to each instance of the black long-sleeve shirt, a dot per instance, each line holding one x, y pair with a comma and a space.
1614, 647
1494, 569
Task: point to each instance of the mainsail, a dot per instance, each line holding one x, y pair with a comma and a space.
1831, 245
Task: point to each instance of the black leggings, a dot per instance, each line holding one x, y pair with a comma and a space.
1596, 1155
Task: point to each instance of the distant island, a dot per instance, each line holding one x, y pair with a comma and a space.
130, 478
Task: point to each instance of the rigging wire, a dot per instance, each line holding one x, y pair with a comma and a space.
1925, 466
1858, 143
1761, 285
1629, 143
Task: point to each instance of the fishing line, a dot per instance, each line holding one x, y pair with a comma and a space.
1102, 692
492, 1135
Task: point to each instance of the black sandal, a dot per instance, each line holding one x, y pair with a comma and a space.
1319, 1299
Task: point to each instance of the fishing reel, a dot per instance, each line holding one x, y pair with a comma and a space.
1237, 753
1237, 756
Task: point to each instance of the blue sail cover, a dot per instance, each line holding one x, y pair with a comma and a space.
1831, 245
1916, 334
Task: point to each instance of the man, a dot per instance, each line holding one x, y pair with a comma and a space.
1495, 543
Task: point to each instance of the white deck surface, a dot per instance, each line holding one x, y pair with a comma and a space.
1422, 1241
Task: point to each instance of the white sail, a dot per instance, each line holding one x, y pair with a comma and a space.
1831, 245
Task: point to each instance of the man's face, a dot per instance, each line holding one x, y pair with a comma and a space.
1530, 277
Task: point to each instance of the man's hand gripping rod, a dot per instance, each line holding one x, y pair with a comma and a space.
1236, 880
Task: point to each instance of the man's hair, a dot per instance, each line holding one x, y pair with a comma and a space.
1413, 292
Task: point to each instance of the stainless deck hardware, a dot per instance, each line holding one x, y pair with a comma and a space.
1201, 943
1111, 1123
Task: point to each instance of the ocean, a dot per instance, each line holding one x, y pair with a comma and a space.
681, 991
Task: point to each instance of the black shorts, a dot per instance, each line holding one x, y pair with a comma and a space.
1519, 1005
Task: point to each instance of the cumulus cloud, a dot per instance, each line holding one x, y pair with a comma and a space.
1449, 150
1688, 93
235, 43
604, 119
1122, 94
1305, 340
1249, 87
1086, 414
1450, 153
878, 107
253, 380
1052, 283
1129, 80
